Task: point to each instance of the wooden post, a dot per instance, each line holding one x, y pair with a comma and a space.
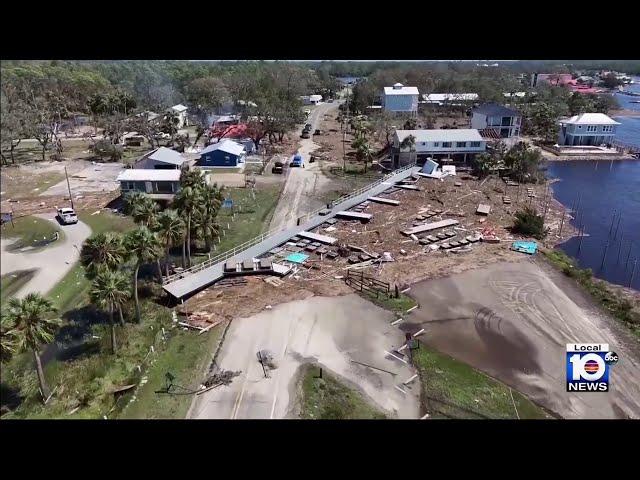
613, 219
620, 249
633, 272
629, 254
604, 256
561, 224
617, 226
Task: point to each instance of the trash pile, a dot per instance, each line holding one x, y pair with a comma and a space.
223, 377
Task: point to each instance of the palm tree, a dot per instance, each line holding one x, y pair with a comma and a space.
102, 250
110, 290
8, 338
132, 200
170, 229
145, 246
144, 212
205, 216
191, 178
33, 321
188, 201
410, 143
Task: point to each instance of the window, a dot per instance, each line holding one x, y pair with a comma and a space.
446, 144
436, 144
461, 144
475, 144
592, 128
607, 128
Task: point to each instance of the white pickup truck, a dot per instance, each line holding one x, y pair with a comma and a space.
67, 216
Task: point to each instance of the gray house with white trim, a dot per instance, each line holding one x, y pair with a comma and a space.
162, 158
587, 129
504, 121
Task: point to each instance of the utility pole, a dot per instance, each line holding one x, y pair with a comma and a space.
68, 186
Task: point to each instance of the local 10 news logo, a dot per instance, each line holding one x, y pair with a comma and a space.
588, 367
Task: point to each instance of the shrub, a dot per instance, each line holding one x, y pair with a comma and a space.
106, 149
529, 223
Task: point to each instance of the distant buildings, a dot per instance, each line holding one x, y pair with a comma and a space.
450, 98
311, 99
226, 154
400, 99
587, 129
503, 121
554, 79
455, 144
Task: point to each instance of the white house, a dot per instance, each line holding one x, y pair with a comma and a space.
311, 99
181, 111
587, 129
156, 184
162, 158
455, 144
450, 98
504, 121
400, 99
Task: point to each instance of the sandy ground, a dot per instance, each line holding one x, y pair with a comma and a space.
52, 263
303, 184
320, 330
94, 177
513, 320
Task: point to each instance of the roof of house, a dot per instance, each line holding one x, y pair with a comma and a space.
399, 89
166, 155
228, 146
591, 119
514, 94
495, 109
441, 97
149, 175
315, 97
179, 108
441, 135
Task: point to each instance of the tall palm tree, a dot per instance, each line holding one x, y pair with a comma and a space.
144, 212
187, 201
410, 143
191, 178
32, 318
170, 229
205, 216
132, 200
102, 250
145, 246
110, 290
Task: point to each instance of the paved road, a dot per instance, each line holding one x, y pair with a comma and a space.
52, 263
319, 329
513, 321
301, 183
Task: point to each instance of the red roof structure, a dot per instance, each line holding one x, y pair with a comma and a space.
229, 131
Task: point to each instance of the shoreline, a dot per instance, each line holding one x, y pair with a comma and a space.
624, 112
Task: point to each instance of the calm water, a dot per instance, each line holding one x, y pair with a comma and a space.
625, 100
629, 130
613, 186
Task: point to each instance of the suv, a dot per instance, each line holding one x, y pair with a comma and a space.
67, 216
308, 126
277, 167
305, 134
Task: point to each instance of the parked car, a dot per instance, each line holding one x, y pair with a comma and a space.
278, 167
305, 134
317, 132
308, 126
297, 161
330, 100
67, 216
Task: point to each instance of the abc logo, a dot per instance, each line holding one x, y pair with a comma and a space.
590, 367
611, 358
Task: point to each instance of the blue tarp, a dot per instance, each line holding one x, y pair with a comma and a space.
525, 247
297, 257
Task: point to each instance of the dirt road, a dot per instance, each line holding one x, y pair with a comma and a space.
52, 263
330, 331
513, 321
297, 197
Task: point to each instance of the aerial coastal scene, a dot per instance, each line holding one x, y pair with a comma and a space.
320, 240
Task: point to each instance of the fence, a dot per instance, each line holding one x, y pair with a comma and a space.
367, 283
262, 237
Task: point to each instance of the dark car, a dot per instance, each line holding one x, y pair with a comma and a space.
305, 134
308, 126
317, 132
277, 167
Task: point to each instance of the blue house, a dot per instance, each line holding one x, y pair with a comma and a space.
226, 154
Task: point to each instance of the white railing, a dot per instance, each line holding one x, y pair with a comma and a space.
264, 236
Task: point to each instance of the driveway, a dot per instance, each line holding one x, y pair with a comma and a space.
52, 263
297, 197
513, 321
95, 177
330, 331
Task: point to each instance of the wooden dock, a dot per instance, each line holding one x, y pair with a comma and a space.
427, 227
386, 201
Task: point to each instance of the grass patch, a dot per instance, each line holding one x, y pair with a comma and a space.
610, 299
10, 283
105, 221
184, 357
396, 305
30, 231
327, 398
452, 389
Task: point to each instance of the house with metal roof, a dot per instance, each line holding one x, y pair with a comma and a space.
156, 184
226, 154
450, 98
162, 158
503, 121
401, 99
587, 129
458, 145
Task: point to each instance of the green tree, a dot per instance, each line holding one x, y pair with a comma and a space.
205, 216
8, 338
528, 222
102, 251
142, 208
187, 201
145, 247
110, 290
409, 142
32, 318
171, 230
